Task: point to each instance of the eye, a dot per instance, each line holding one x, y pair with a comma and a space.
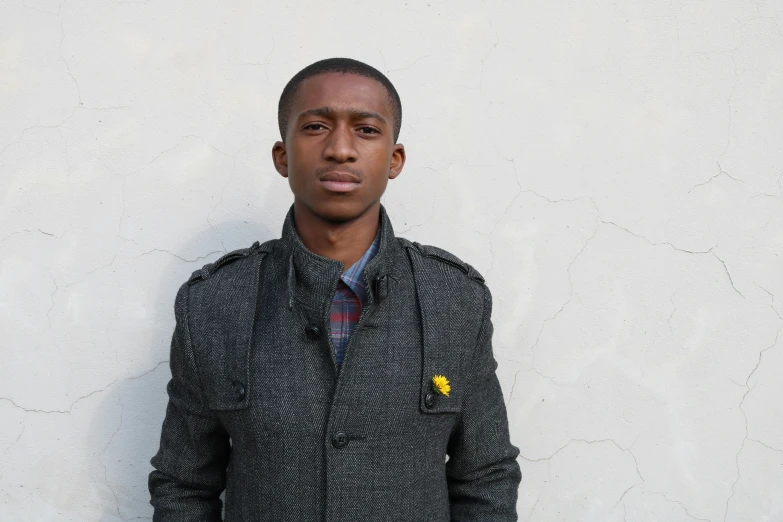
368, 130
313, 126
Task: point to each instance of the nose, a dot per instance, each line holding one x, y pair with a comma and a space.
340, 146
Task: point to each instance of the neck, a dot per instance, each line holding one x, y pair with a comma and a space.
344, 241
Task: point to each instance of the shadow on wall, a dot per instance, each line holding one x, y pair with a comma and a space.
136, 407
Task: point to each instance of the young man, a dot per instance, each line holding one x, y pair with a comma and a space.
309, 392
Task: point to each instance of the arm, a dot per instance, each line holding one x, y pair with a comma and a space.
482, 472
191, 463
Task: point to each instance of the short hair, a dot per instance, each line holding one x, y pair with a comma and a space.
343, 66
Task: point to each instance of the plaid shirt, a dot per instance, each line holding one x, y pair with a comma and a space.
348, 300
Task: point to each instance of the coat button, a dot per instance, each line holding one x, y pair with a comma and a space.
429, 400
340, 439
239, 388
312, 332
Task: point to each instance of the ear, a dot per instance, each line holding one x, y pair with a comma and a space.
397, 161
280, 158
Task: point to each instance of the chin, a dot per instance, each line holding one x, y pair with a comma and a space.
340, 211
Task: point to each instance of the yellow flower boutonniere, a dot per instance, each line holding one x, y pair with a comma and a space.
441, 385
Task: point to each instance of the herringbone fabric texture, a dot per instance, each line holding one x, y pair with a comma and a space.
257, 407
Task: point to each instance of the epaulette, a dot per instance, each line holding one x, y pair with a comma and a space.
444, 256
207, 270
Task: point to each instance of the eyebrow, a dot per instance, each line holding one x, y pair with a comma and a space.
329, 112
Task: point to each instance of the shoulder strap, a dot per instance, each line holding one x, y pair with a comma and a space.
447, 257
207, 270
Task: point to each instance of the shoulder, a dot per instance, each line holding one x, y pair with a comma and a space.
443, 259
230, 259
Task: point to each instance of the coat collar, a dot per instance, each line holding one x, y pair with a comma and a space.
312, 279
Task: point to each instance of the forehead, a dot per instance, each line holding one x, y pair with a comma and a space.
342, 91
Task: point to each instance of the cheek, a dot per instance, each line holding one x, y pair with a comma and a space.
301, 162
379, 158
297, 155
308, 146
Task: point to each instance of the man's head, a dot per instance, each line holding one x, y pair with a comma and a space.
342, 66
339, 122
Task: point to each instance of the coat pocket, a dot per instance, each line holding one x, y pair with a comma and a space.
442, 385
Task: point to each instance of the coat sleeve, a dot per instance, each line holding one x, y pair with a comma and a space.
190, 466
482, 472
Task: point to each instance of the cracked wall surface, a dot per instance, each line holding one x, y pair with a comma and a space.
614, 169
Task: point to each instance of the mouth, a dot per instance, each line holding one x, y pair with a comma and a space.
336, 181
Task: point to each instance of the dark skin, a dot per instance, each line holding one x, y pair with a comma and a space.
340, 124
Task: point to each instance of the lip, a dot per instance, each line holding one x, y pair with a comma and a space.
336, 181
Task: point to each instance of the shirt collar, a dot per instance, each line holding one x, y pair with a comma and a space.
353, 276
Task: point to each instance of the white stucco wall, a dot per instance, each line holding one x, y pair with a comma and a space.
613, 168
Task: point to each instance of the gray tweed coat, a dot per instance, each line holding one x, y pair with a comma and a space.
258, 407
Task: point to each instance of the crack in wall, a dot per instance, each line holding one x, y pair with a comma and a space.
51, 298
570, 297
772, 303
589, 442
728, 274
65, 62
622, 497
745, 418
73, 404
765, 445
56, 13
414, 62
684, 250
669, 320
684, 507
28, 230
220, 202
180, 257
58, 287
481, 72
721, 172
265, 63
505, 211
124, 176
103, 451
8, 449
513, 385
601, 221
